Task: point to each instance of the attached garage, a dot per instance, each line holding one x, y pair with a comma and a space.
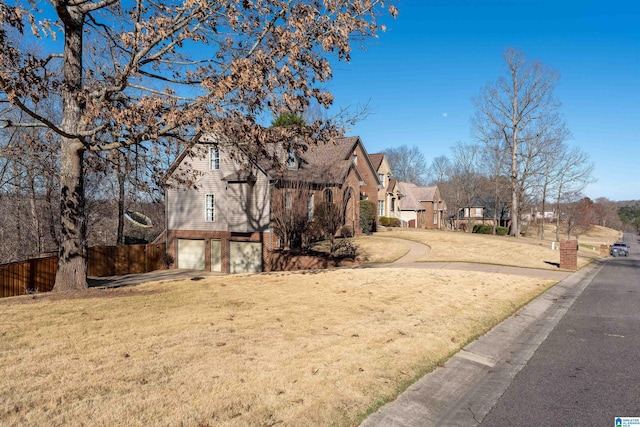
245, 257
191, 254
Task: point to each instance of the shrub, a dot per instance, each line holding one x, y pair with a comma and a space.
384, 221
367, 216
345, 249
488, 229
502, 231
483, 229
394, 222
346, 231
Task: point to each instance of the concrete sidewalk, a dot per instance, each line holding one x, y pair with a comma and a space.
463, 391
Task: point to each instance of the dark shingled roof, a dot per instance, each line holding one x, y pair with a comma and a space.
326, 164
413, 195
376, 160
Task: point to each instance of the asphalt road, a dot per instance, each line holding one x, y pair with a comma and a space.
587, 371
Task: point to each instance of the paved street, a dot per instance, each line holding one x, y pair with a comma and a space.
587, 372
569, 358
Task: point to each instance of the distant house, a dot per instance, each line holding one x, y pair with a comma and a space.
422, 207
389, 191
225, 222
467, 217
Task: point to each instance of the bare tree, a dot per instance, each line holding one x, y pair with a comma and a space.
329, 217
465, 176
136, 72
494, 162
514, 114
573, 173
290, 213
439, 170
579, 216
407, 164
606, 213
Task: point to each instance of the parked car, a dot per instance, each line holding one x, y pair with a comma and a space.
619, 249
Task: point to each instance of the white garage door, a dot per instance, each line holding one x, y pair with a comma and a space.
246, 257
191, 254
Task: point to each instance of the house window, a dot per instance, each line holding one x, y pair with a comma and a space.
210, 208
380, 207
328, 195
310, 207
435, 218
354, 158
214, 157
478, 212
393, 204
381, 178
287, 201
291, 159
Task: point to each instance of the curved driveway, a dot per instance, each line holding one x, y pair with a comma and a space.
409, 260
419, 251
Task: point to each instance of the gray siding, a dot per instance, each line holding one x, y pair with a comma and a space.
240, 207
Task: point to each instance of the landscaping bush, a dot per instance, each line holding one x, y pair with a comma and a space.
367, 216
345, 249
385, 221
483, 229
488, 229
346, 231
394, 222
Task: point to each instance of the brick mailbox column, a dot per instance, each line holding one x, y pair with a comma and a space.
569, 254
604, 250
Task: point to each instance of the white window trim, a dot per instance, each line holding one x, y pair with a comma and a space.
210, 208
214, 157
292, 159
288, 203
380, 207
310, 206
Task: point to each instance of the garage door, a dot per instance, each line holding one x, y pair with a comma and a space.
245, 257
191, 254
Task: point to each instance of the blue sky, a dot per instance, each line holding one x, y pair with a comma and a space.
421, 75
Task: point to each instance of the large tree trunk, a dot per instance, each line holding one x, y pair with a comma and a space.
121, 193
72, 262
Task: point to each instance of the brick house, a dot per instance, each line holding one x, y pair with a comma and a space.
224, 222
422, 207
389, 193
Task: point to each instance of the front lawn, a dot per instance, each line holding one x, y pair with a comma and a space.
307, 348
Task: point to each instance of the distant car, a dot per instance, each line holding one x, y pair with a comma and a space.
619, 249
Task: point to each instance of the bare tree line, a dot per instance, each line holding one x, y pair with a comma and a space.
521, 158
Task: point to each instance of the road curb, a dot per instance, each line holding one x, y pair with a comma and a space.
463, 391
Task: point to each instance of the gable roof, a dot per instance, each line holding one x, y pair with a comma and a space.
327, 164
376, 160
414, 195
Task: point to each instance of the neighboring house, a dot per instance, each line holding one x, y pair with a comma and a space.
422, 207
389, 192
224, 222
537, 215
467, 217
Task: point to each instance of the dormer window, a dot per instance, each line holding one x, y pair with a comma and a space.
354, 158
381, 178
292, 160
214, 157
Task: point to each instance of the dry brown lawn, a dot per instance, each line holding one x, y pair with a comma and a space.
503, 250
286, 349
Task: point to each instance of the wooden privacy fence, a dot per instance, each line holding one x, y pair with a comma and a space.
128, 259
34, 275
39, 274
